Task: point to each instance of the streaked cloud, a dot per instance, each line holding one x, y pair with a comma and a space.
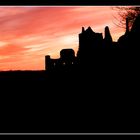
27, 34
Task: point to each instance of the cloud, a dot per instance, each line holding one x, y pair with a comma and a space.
11, 49
29, 33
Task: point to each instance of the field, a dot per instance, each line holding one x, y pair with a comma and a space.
33, 101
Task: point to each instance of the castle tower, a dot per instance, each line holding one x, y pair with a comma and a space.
47, 62
108, 37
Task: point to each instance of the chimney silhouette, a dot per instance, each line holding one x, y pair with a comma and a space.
83, 29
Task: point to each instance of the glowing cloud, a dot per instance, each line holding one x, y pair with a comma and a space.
27, 34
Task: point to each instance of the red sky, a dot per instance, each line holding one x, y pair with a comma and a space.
27, 34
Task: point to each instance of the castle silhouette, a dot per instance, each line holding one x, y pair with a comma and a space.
93, 49
95, 90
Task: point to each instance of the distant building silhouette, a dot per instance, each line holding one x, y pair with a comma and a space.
66, 60
94, 48
88, 41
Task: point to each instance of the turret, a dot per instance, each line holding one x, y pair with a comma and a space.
47, 62
108, 37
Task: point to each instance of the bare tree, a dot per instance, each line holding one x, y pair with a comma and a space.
130, 12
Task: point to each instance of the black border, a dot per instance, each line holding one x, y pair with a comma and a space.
68, 2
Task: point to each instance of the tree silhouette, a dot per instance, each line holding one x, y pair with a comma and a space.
127, 12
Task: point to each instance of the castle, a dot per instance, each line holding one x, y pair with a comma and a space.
93, 45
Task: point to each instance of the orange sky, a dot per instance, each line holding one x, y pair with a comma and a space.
27, 34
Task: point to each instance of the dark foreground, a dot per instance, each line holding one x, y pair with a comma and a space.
72, 101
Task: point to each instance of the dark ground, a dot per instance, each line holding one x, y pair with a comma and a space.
74, 101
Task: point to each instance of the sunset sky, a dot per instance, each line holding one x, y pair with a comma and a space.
27, 34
